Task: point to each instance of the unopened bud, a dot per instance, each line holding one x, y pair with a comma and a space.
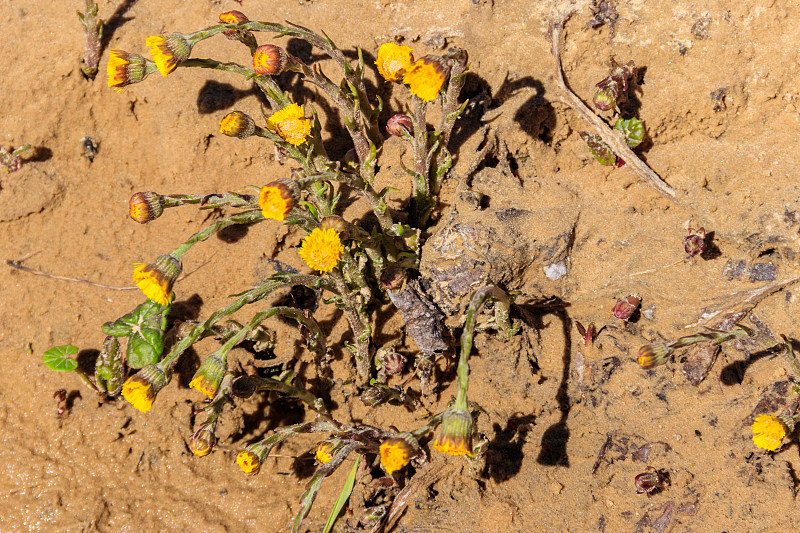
651, 355
232, 17
695, 242
202, 441
269, 60
393, 278
237, 124
399, 125
279, 197
393, 361
351, 158
145, 207
625, 308
605, 98
335, 222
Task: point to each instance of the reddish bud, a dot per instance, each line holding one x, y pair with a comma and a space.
399, 125
649, 481
269, 60
625, 308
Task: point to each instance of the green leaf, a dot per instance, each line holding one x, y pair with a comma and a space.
633, 129
599, 149
59, 358
347, 489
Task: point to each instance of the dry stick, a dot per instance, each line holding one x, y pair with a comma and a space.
609, 136
18, 265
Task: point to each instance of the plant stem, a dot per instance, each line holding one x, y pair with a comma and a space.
247, 217
359, 325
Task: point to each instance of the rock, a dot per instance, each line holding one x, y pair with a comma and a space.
503, 232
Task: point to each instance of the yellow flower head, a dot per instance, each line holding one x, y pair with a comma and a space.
276, 199
249, 462
324, 452
141, 388
290, 124
145, 207
455, 433
322, 249
396, 452
393, 60
157, 278
237, 124
233, 17
768, 432
209, 375
168, 52
426, 78
202, 441
123, 69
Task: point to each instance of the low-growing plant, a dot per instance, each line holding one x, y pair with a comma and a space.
357, 265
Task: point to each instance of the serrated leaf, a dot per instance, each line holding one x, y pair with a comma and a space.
59, 358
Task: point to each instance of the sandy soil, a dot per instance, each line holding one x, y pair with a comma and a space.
108, 467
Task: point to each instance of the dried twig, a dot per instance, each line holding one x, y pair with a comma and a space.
610, 137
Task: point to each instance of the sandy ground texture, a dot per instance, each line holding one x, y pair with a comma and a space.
569, 426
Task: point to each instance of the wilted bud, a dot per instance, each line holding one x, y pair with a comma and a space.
393, 361
276, 199
651, 355
649, 481
237, 124
399, 125
145, 206
269, 60
695, 242
336, 223
351, 158
393, 278
202, 441
625, 308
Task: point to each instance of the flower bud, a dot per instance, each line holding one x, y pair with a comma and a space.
373, 396
168, 52
455, 433
276, 199
237, 124
399, 125
232, 17
351, 158
209, 376
605, 97
145, 207
141, 388
336, 223
695, 242
156, 279
625, 308
393, 361
327, 449
202, 441
124, 69
393, 278
249, 462
269, 60
651, 355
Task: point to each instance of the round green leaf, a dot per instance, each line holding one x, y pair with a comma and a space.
59, 358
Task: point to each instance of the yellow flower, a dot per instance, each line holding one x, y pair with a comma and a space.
249, 462
393, 60
455, 434
426, 78
322, 249
157, 278
290, 124
651, 355
395, 454
209, 375
237, 124
141, 388
168, 52
123, 69
276, 199
145, 207
324, 452
768, 432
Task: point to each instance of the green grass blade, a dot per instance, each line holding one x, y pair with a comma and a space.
343, 496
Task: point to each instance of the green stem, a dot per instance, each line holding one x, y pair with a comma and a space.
421, 202
263, 384
359, 325
247, 217
230, 199
478, 299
